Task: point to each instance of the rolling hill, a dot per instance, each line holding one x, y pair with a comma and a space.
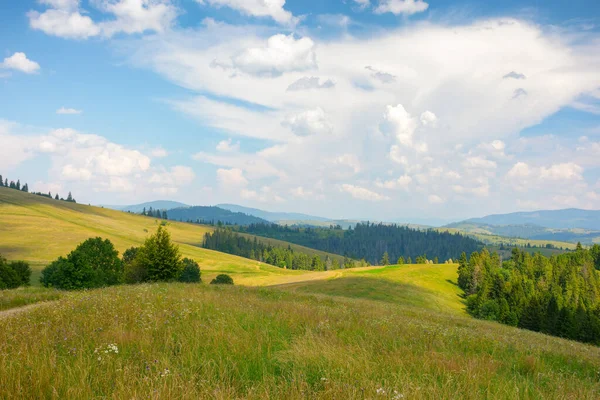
156, 205
39, 230
272, 216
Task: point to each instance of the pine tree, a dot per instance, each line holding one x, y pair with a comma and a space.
6, 182
1, 181
56, 197
400, 260
144, 211
25, 188
385, 260
159, 257
164, 214
18, 186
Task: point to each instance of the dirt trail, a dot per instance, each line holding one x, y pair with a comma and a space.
19, 310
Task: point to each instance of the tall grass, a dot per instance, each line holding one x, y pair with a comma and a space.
195, 341
25, 296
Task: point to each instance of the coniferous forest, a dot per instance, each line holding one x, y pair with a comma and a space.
558, 296
371, 241
228, 241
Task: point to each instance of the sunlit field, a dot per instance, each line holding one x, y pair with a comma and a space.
196, 341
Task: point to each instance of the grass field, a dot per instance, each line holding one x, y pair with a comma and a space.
371, 333
196, 341
39, 230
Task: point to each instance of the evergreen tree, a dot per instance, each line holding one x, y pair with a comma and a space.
57, 197
1, 181
144, 211
385, 260
160, 257
6, 182
164, 215
25, 188
401, 260
18, 185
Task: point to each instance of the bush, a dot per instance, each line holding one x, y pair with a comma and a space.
94, 263
191, 271
222, 280
23, 271
13, 274
157, 260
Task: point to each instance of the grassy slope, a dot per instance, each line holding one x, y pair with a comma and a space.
496, 240
39, 230
195, 341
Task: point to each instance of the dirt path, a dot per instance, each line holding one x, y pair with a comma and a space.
19, 310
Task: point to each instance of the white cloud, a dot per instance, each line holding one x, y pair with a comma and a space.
428, 119
398, 7
20, 62
475, 137
479, 163
227, 146
381, 76
402, 182
68, 111
310, 122
230, 178
361, 193
265, 195
63, 23
363, 3
280, 55
65, 19
256, 8
350, 161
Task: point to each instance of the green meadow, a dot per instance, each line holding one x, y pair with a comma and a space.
396, 332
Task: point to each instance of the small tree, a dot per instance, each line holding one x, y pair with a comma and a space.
401, 260
9, 279
191, 271
222, 279
159, 257
385, 260
94, 263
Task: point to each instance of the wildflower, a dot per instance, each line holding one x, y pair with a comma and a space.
397, 396
166, 372
381, 391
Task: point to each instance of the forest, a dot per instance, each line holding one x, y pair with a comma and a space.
371, 241
227, 241
558, 296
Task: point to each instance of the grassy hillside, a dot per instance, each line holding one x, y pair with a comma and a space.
195, 341
39, 230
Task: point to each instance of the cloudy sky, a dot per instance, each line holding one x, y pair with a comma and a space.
380, 109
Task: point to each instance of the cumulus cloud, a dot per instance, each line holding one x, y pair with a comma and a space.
309, 122
68, 111
469, 139
280, 55
308, 83
159, 152
401, 7
256, 8
435, 199
65, 18
362, 193
20, 62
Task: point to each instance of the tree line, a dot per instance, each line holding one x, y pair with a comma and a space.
95, 263
156, 213
228, 241
25, 188
370, 241
558, 296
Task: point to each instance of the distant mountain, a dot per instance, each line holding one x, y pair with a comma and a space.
156, 205
272, 216
213, 214
558, 219
571, 225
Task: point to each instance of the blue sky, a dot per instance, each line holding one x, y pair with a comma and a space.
381, 109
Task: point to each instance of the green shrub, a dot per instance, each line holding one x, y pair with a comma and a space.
191, 271
94, 263
222, 279
23, 271
13, 274
157, 260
